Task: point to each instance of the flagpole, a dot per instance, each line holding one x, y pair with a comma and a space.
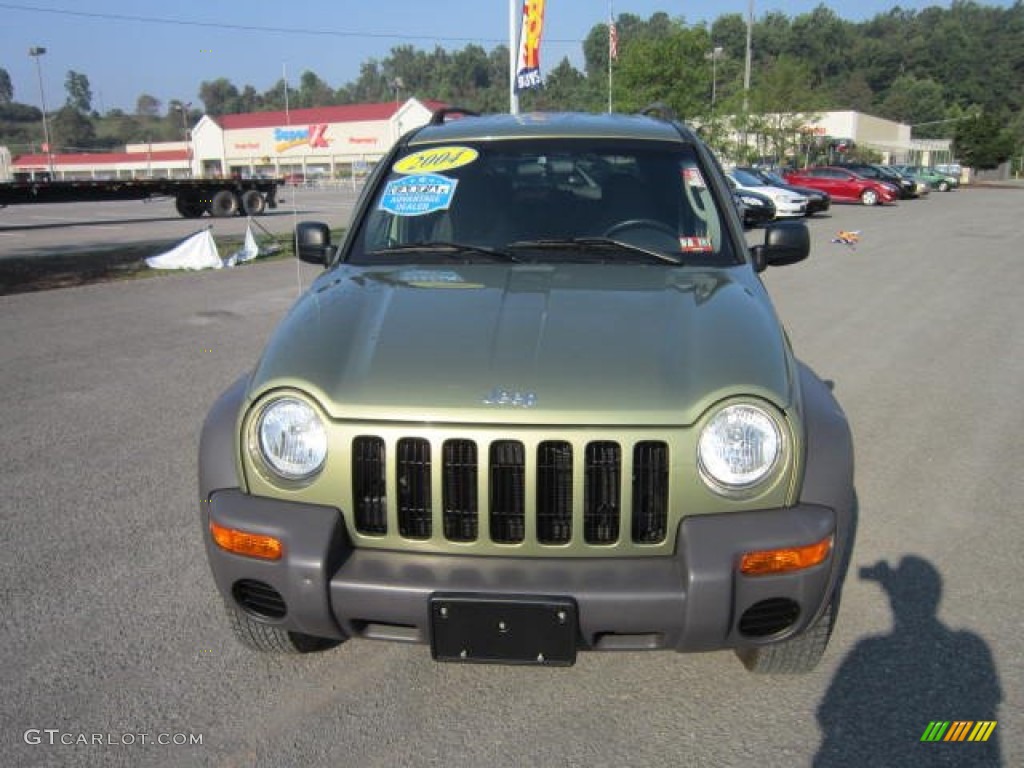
611, 21
513, 100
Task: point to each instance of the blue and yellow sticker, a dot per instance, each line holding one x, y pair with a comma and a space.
418, 195
436, 159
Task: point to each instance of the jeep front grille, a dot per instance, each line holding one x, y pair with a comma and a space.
530, 491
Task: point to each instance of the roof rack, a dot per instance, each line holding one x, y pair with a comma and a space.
438, 117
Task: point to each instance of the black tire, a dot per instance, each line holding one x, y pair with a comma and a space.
869, 197
189, 207
267, 638
253, 202
224, 203
943, 186
799, 654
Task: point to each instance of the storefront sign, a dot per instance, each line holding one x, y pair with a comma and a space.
313, 136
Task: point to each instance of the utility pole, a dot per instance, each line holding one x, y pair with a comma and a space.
35, 52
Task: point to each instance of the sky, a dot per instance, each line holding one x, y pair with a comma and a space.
166, 49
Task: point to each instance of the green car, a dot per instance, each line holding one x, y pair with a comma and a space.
537, 403
940, 181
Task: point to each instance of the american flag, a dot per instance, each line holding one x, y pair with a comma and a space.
613, 41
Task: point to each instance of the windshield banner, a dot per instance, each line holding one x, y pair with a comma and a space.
528, 74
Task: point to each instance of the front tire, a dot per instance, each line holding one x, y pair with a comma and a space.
797, 655
869, 197
267, 638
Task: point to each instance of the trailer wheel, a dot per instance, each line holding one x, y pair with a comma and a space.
190, 207
224, 204
253, 203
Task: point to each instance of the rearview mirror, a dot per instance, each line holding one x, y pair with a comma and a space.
785, 242
313, 242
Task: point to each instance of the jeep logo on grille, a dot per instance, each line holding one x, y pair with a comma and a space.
513, 397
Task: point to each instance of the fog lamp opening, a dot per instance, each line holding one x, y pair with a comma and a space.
247, 544
785, 560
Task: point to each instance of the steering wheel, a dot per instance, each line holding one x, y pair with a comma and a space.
660, 226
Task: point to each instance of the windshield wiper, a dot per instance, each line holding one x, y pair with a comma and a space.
579, 243
445, 246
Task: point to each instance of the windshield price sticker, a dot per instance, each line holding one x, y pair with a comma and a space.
418, 195
436, 159
695, 245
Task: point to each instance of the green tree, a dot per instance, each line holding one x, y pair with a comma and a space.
219, 96
313, 92
911, 101
984, 141
6, 88
71, 130
79, 94
147, 105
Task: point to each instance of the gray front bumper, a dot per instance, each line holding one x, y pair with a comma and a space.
691, 601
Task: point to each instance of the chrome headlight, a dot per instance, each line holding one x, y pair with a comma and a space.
739, 447
292, 439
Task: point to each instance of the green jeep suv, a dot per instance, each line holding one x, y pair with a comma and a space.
537, 403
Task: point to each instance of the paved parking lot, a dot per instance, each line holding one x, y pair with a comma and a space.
112, 627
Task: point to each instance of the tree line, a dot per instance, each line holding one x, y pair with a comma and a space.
949, 72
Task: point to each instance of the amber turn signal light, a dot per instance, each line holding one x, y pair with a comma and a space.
785, 560
248, 544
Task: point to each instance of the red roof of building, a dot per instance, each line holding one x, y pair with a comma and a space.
101, 158
342, 113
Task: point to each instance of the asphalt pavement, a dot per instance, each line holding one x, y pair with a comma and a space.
113, 638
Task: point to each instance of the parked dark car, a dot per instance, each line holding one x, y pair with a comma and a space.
843, 185
818, 201
907, 187
755, 209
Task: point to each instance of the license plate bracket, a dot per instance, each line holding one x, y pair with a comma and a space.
539, 631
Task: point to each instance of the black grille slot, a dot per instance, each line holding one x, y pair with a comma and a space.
601, 499
259, 598
369, 488
459, 491
414, 508
554, 492
650, 492
508, 515
769, 617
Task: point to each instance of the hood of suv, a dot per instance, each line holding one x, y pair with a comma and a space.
565, 343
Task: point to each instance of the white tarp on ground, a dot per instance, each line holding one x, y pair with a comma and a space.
196, 252
248, 252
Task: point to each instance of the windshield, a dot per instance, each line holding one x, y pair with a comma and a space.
544, 201
747, 179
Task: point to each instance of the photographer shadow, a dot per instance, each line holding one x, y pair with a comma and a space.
890, 687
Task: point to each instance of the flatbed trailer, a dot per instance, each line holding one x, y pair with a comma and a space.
192, 197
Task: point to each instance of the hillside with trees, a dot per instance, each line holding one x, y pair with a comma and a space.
949, 72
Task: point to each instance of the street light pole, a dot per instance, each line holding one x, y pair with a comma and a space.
716, 52
35, 52
183, 108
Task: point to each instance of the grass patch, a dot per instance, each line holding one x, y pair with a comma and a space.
24, 274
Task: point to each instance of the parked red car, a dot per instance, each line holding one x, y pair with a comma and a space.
844, 186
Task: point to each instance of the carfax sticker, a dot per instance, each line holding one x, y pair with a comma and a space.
436, 159
418, 195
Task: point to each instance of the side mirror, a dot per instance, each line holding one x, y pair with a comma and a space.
785, 242
313, 242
